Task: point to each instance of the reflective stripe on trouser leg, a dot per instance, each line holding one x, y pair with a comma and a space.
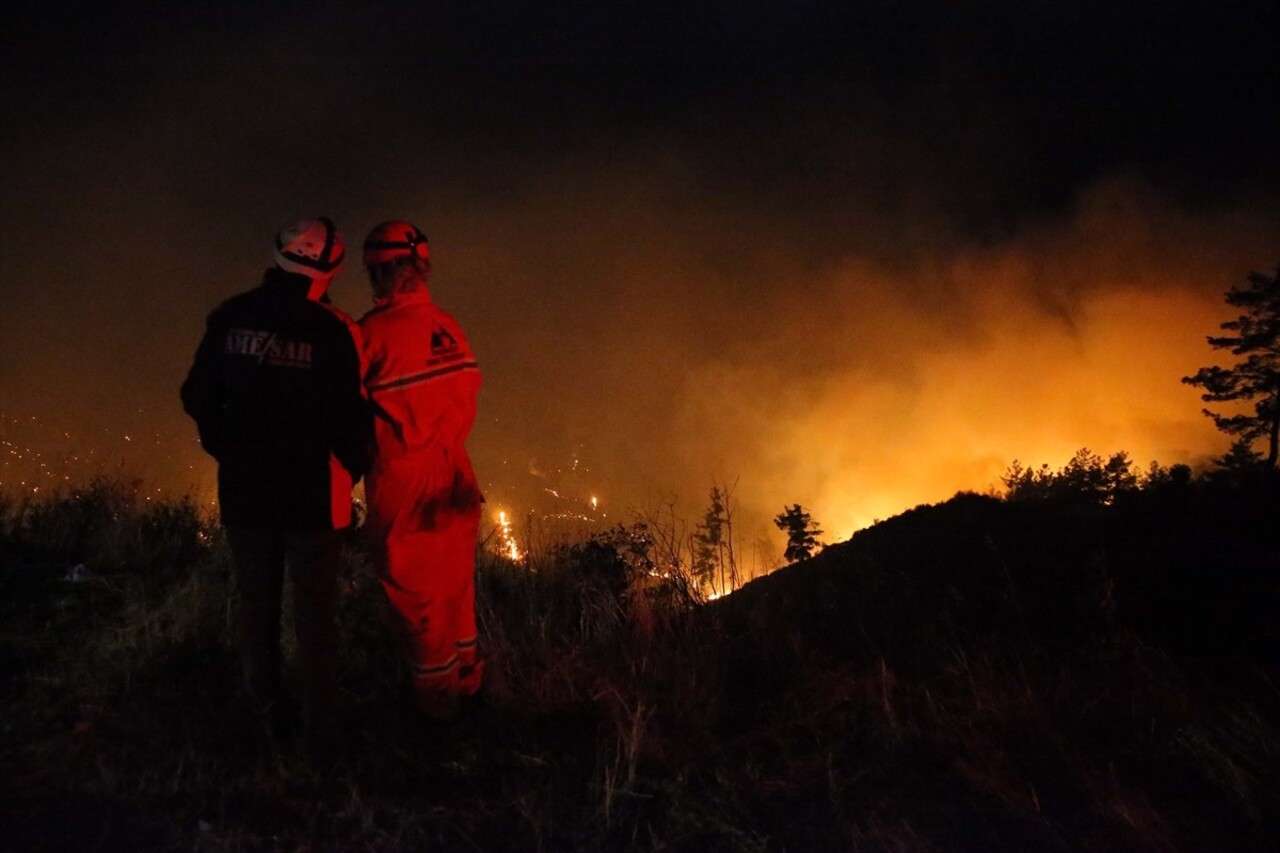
431, 584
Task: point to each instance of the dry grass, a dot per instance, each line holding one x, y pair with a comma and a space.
945, 681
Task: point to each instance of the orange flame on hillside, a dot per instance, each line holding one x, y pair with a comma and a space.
507, 545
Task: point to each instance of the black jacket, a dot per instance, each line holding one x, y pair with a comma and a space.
275, 392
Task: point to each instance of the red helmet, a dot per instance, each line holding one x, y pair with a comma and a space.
394, 240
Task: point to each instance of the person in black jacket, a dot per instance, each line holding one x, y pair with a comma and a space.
276, 394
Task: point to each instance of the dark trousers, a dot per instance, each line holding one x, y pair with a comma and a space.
313, 559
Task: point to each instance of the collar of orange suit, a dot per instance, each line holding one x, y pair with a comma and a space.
422, 295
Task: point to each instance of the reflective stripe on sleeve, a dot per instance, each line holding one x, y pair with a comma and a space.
425, 376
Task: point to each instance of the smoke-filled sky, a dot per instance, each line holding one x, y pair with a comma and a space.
853, 255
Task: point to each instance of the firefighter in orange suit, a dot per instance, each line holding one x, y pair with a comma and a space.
423, 499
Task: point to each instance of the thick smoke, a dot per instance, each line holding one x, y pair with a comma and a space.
857, 385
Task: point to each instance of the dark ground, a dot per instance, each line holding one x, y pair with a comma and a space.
976, 675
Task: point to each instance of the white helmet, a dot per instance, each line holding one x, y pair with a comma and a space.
310, 247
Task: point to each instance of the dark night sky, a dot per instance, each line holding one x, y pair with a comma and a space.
856, 255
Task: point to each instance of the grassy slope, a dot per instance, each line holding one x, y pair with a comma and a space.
1052, 677
973, 675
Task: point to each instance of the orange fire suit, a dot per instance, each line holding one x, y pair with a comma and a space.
423, 499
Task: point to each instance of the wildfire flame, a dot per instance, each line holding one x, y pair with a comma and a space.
507, 545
